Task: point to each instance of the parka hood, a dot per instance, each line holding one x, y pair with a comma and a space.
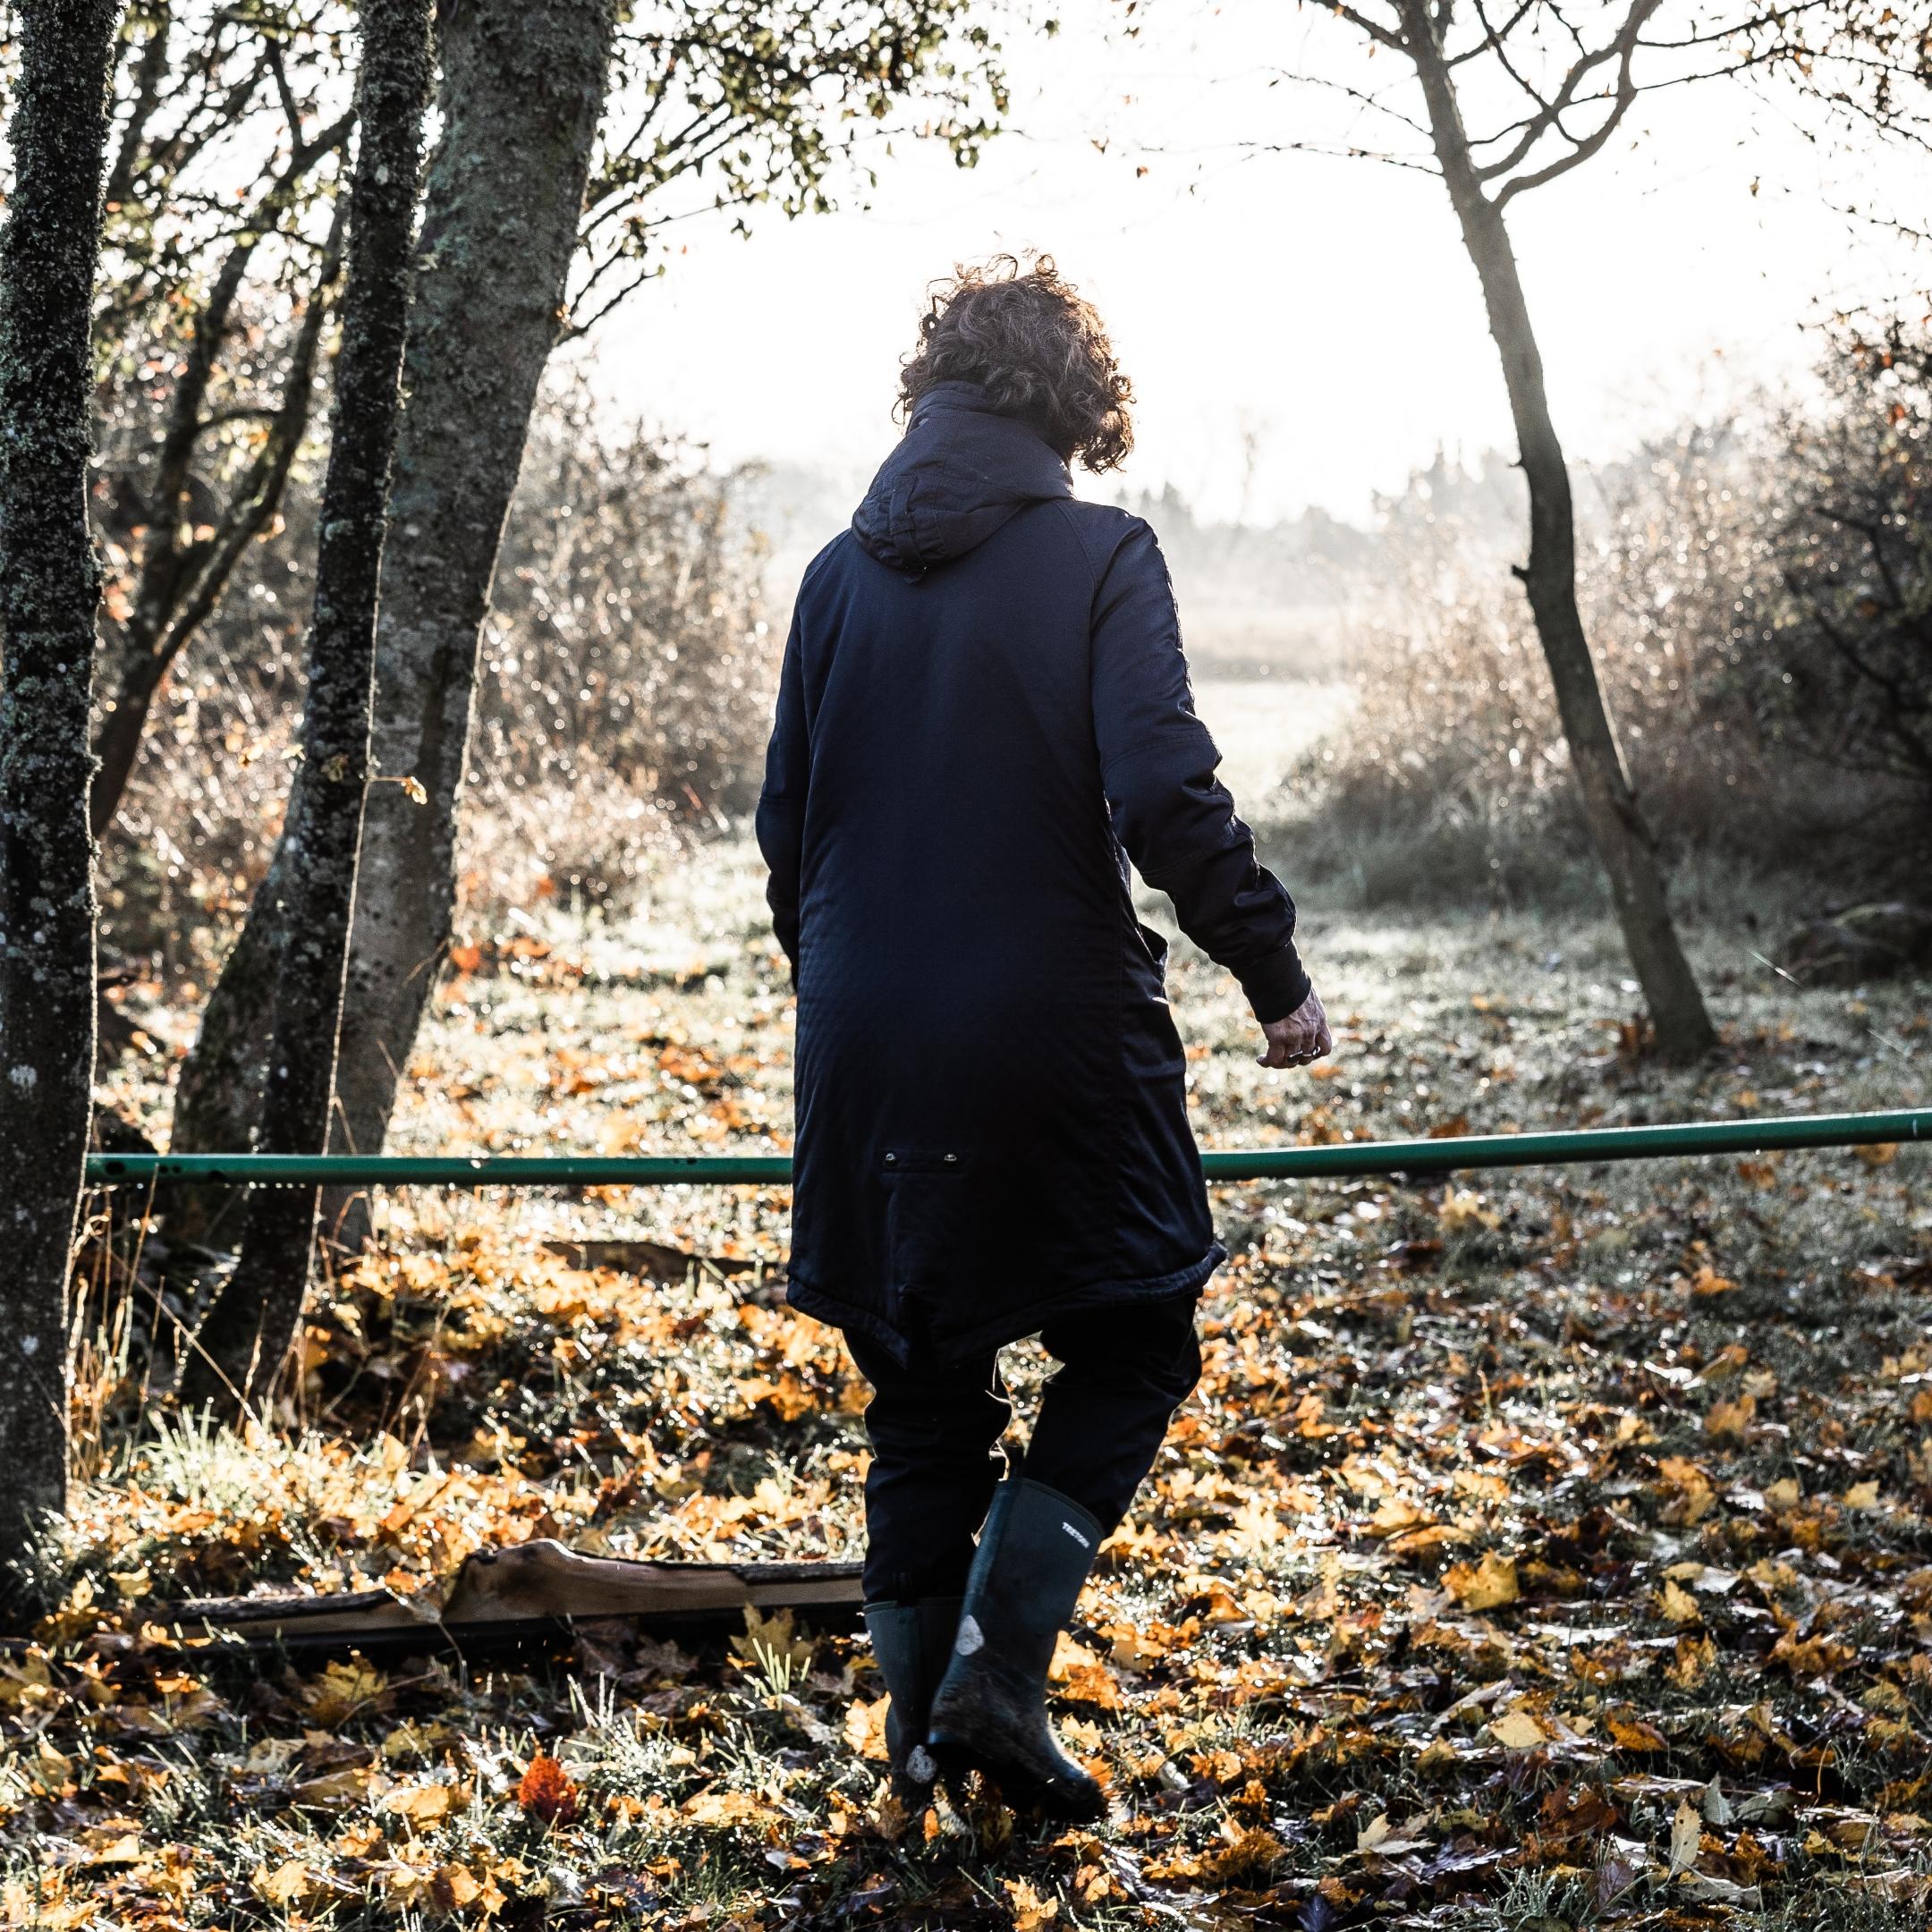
960, 472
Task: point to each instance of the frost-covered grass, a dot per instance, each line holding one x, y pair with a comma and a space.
1540, 1549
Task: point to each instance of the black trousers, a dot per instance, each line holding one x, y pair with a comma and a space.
936, 1431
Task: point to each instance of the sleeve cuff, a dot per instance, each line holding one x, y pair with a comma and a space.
1277, 986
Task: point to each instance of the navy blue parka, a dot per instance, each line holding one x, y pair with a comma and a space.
983, 714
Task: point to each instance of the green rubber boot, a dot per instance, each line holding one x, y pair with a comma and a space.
990, 1709
912, 1643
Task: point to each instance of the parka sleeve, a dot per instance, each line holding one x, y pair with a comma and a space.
781, 809
1171, 814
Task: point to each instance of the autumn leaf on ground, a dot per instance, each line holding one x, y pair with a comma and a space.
1631, 1732
1462, 1212
1695, 1658
1029, 1910
1080, 1677
1676, 1605
1248, 1858
726, 1808
1687, 1833
547, 1792
770, 1644
1484, 1586
1394, 1514
865, 1729
425, 1805
1730, 1421
1708, 1282
453, 1888
346, 1688
1810, 1656
1517, 1730
288, 1883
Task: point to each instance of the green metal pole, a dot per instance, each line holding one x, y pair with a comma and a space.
1581, 1147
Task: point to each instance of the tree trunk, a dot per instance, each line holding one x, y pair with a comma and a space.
521, 91
121, 733
241, 1344
1626, 843
219, 1094
49, 592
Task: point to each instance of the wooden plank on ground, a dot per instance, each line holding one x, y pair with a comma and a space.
527, 1590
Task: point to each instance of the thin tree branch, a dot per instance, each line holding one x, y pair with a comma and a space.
148, 72
1494, 36
1626, 95
1387, 37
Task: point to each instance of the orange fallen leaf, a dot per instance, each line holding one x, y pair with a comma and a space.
1676, 1605
865, 1728
1629, 1732
1029, 1910
1730, 1421
548, 1792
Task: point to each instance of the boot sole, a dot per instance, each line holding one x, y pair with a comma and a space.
1021, 1788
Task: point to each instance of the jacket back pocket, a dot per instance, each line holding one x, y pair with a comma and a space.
927, 1215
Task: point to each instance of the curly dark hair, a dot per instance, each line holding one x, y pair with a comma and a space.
1038, 349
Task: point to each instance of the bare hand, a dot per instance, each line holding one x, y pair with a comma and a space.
1301, 1037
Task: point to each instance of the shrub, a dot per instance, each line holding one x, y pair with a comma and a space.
1757, 595
628, 635
623, 695
1845, 681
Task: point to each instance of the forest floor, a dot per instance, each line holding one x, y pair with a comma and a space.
1541, 1550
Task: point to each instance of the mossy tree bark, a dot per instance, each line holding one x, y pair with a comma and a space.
50, 596
1626, 846
244, 1341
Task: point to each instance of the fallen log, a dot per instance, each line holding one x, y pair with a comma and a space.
530, 1593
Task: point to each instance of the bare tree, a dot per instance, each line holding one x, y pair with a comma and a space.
1556, 79
204, 404
187, 548
521, 98
520, 95
49, 592
248, 1331
1480, 190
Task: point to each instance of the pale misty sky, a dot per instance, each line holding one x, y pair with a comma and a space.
1321, 305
